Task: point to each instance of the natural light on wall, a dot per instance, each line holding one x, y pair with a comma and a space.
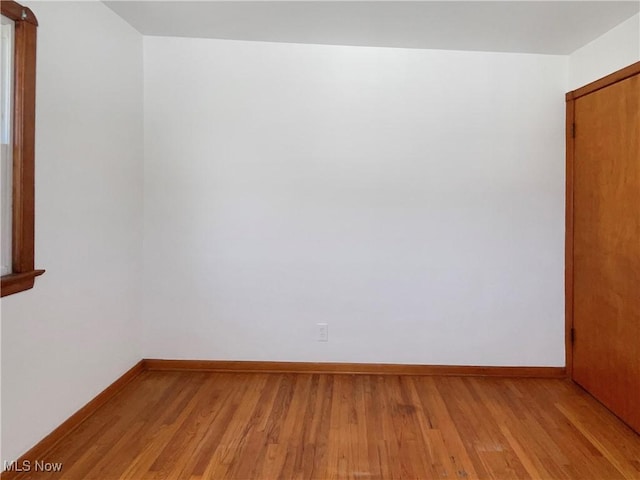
6, 167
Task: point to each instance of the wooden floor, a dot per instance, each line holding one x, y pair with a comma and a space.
195, 425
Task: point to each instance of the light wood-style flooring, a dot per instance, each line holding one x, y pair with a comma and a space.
215, 426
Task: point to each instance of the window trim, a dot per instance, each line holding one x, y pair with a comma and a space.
24, 116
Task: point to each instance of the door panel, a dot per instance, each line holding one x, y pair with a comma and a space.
606, 350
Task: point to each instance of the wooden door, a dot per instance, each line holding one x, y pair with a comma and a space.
606, 246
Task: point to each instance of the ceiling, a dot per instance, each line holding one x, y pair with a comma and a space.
554, 27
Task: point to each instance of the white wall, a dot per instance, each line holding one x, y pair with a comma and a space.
414, 200
411, 199
616, 49
75, 332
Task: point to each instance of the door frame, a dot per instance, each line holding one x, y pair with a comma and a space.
570, 128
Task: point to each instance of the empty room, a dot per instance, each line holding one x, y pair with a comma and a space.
320, 240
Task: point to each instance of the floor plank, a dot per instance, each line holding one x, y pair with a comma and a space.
242, 426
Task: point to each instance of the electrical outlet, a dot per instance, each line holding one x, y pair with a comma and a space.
323, 332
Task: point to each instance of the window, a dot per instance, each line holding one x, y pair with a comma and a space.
19, 26
6, 154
